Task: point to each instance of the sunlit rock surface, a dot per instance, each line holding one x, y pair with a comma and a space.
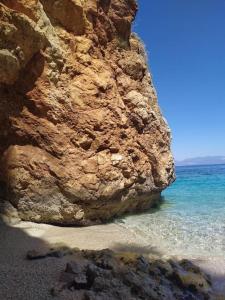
82, 138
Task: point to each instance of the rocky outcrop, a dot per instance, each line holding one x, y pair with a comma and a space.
82, 138
109, 275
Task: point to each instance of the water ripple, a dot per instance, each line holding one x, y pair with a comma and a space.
192, 218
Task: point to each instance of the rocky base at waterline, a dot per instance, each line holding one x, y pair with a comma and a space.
82, 138
106, 275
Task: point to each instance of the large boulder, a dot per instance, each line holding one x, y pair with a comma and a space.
82, 138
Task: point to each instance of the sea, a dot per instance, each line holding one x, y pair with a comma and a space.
191, 218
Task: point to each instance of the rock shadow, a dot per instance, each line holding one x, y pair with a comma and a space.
20, 278
135, 248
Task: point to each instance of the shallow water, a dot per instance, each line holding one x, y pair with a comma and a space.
191, 220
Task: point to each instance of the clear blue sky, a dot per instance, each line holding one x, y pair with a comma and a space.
185, 40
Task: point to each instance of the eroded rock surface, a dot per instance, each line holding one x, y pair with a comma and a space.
82, 138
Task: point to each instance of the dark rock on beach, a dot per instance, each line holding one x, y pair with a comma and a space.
109, 275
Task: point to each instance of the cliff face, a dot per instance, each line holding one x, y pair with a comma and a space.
82, 138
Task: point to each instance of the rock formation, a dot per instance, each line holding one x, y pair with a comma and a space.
101, 275
82, 138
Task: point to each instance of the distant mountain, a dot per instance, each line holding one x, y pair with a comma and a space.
207, 160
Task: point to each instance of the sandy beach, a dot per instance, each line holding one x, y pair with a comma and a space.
24, 280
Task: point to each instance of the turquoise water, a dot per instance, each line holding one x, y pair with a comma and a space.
191, 220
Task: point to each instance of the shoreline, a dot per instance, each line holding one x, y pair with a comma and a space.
24, 236
119, 238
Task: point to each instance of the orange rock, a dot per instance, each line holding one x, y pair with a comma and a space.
82, 138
